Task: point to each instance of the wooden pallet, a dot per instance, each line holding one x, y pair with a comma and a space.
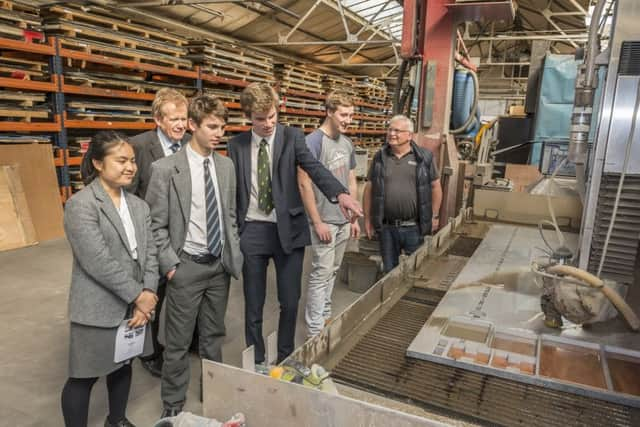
108, 115
223, 95
23, 99
300, 78
231, 61
301, 121
91, 33
104, 18
135, 55
218, 51
303, 103
213, 64
88, 110
23, 69
126, 82
239, 74
342, 84
19, 15
288, 84
24, 114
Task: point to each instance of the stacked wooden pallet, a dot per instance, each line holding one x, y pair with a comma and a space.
92, 77
344, 84
373, 91
299, 78
25, 67
305, 122
302, 92
24, 106
20, 21
98, 32
80, 108
302, 103
231, 61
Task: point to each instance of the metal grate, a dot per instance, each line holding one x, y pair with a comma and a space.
623, 245
630, 59
464, 246
378, 364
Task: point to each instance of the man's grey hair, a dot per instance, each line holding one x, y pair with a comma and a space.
402, 117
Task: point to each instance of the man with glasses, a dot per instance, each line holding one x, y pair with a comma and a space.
169, 110
403, 194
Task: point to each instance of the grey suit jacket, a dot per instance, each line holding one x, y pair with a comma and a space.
105, 278
169, 197
148, 149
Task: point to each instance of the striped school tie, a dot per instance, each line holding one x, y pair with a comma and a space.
213, 218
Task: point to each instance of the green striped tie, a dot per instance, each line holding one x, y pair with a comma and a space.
265, 197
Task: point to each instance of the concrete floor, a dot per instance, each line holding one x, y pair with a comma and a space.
34, 340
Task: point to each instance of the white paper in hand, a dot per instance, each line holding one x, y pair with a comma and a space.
129, 342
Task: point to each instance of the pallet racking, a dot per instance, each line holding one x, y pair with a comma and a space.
100, 72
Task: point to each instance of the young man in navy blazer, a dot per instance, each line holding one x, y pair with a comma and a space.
271, 216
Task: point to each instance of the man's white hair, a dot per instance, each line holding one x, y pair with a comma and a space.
402, 117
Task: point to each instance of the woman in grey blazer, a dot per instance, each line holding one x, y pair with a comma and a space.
114, 276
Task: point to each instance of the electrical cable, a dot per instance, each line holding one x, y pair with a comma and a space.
550, 206
627, 156
541, 230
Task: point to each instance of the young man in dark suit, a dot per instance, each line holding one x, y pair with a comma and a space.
170, 114
271, 216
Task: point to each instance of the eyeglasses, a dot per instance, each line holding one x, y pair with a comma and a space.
394, 130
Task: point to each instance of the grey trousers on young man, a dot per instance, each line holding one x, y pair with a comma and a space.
196, 292
326, 261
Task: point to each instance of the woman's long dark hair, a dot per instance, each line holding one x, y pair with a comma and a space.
100, 145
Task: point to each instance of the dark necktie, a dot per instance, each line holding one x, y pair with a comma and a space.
265, 198
174, 148
213, 219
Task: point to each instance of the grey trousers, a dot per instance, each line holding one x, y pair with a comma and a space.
326, 261
197, 291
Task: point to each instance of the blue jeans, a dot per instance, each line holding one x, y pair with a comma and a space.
395, 239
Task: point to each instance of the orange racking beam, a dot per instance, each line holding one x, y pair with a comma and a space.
28, 84
44, 49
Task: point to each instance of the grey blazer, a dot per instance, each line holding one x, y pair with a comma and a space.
169, 197
105, 278
148, 149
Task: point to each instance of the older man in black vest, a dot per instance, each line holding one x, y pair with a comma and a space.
403, 194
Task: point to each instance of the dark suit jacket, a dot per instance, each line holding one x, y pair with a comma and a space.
289, 151
169, 198
148, 149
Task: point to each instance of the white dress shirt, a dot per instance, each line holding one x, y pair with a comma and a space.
196, 239
127, 222
253, 212
165, 142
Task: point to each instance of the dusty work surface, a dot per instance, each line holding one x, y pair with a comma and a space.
493, 309
376, 367
378, 364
